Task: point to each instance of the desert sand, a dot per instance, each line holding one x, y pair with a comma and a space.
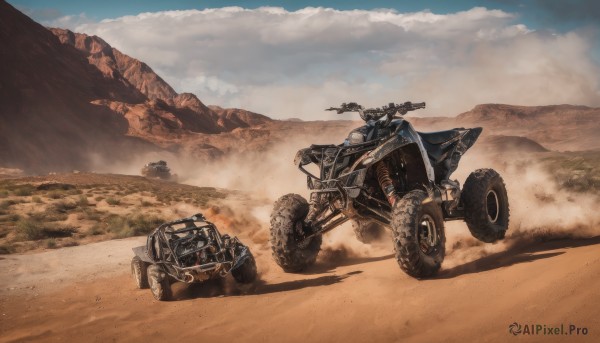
86, 293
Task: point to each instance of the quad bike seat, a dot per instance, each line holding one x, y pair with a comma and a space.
444, 151
439, 137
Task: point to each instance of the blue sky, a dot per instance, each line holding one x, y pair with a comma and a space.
538, 14
293, 61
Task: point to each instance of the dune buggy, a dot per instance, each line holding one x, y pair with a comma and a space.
189, 250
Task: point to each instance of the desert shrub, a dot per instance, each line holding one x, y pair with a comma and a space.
50, 186
82, 201
3, 193
134, 225
55, 195
24, 190
10, 218
48, 215
7, 203
6, 249
30, 229
4, 205
13, 217
69, 243
36, 199
98, 198
113, 201
145, 203
62, 206
93, 215
96, 230
57, 211
74, 191
51, 243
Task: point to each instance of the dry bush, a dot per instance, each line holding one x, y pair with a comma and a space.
133, 225
113, 202
6, 249
30, 229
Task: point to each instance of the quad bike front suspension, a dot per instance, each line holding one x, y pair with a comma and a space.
385, 182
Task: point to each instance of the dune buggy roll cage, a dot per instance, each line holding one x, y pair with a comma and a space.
159, 249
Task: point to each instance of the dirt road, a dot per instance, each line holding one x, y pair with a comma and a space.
341, 299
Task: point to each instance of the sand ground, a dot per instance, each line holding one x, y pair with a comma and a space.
85, 294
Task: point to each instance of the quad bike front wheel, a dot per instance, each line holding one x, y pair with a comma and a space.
485, 200
367, 231
159, 283
139, 272
287, 226
246, 273
418, 233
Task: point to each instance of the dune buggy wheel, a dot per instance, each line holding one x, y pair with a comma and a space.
418, 233
246, 273
367, 231
139, 272
485, 201
159, 283
287, 220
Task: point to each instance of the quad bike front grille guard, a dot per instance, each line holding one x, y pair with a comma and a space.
318, 154
347, 186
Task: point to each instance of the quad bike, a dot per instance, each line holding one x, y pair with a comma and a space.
189, 250
387, 175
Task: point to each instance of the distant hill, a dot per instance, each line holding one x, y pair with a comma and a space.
164, 107
556, 127
48, 120
67, 99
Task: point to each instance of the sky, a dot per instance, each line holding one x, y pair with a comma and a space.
294, 58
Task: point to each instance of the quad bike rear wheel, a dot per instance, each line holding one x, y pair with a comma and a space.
367, 231
485, 200
418, 233
246, 273
139, 272
287, 227
159, 283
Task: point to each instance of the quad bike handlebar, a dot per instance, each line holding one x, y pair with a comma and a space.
389, 110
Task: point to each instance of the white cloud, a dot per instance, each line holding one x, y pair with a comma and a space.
295, 63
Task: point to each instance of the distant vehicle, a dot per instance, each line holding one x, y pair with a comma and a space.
388, 175
158, 170
189, 250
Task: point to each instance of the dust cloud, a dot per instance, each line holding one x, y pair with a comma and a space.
539, 209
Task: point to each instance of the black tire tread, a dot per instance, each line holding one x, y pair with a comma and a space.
405, 215
473, 198
142, 267
246, 273
287, 211
156, 274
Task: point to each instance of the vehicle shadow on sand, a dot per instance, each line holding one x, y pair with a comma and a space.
329, 263
517, 253
227, 287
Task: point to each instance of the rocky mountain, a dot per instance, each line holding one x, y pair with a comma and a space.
187, 112
47, 118
71, 101
232, 118
68, 100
